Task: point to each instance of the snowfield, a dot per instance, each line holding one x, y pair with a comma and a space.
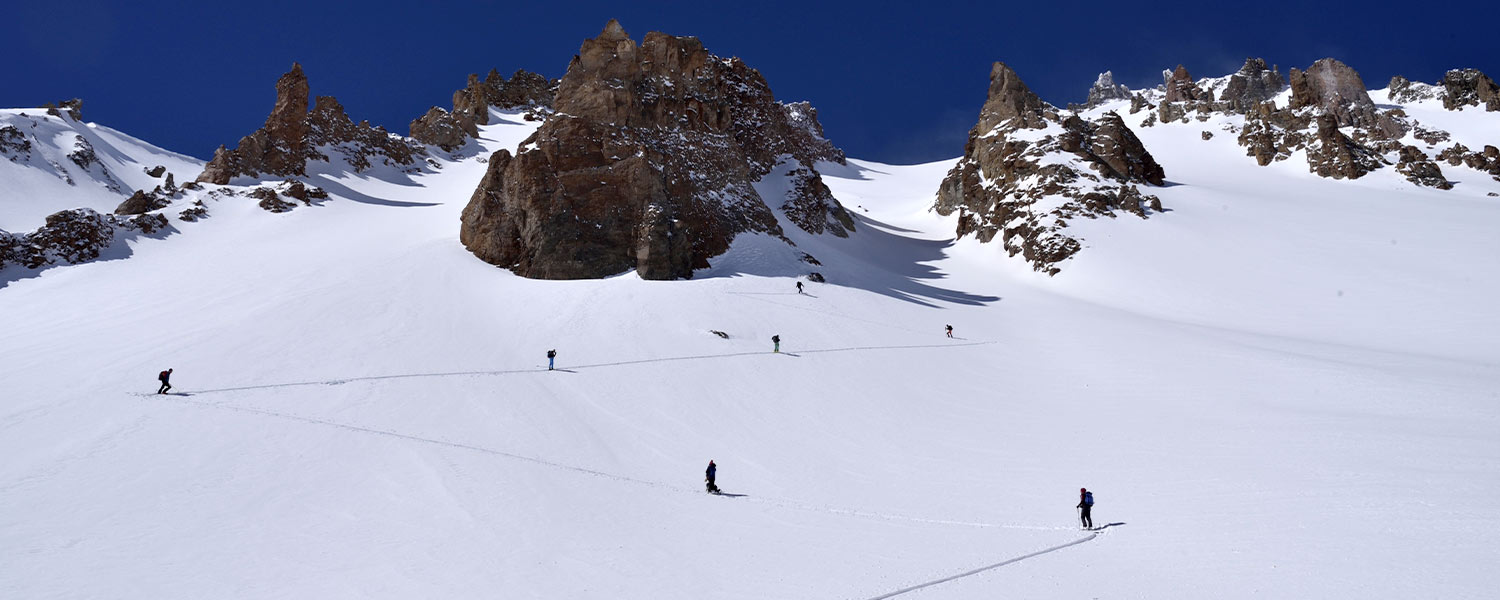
1284, 387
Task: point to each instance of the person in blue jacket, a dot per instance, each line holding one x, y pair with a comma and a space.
709, 475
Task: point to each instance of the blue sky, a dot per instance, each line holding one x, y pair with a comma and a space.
898, 82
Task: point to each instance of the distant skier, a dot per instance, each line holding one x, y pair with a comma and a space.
551, 356
1086, 504
776, 343
709, 475
163, 377
799, 287
950, 331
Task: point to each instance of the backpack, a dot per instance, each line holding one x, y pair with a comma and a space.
551, 354
1088, 498
162, 376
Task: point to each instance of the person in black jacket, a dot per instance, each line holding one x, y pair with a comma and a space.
163, 378
551, 356
709, 476
776, 343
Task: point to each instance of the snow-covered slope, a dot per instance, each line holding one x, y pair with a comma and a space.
52, 163
1283, 387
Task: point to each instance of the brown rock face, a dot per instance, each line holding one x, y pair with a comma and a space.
1252, 85
1023, 185
292, 136
1470, 87
471, 105
648, 164
1009, 98
1333, 154
1180, 87
1420, 169
811, 205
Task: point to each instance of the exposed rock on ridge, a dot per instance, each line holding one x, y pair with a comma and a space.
1026, 171
1470, 87
1105, 89
471, 106
647, 163
292, 136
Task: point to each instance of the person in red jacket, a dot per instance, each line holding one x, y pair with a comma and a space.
163, 377
1086, 503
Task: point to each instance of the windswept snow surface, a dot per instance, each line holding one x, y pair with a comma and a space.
1284, 387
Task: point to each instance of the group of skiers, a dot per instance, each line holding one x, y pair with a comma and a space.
1085, 497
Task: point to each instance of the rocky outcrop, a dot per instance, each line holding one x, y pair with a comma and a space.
471, 106
72, 237
1252, 85
1486, 161
73, 108
811, 205
1332, 154
1470, 87
647, 164
1179, 85
1009, 99
1026, 172
1325, 98
1105, 89
292, 136
1405, 91
142, 202
14, 144
1419, 169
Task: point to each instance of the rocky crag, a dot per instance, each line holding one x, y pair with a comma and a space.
293, 135
1328, 117
471, 107
649, 163
1027, 170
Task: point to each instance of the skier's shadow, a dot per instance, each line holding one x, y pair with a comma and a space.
563, 370
1104, 527
729, 495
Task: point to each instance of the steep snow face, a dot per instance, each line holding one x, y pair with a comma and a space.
52, 163
1281, 387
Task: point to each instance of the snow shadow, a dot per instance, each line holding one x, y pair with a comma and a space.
899, 266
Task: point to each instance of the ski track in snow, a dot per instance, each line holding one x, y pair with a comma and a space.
570, 367
783, 503
1088, 538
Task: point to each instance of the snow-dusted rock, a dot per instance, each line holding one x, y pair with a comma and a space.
1026, 171
647, 164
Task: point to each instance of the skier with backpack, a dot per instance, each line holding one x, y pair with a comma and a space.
950, 331
709, 475
799, 287
1086, 504
776, 343
163, 377
551, 356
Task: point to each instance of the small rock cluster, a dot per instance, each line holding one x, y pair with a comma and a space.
72, 237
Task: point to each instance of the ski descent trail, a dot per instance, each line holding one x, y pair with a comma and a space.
1087, 538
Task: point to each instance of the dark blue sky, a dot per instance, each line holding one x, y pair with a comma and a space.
893, 81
